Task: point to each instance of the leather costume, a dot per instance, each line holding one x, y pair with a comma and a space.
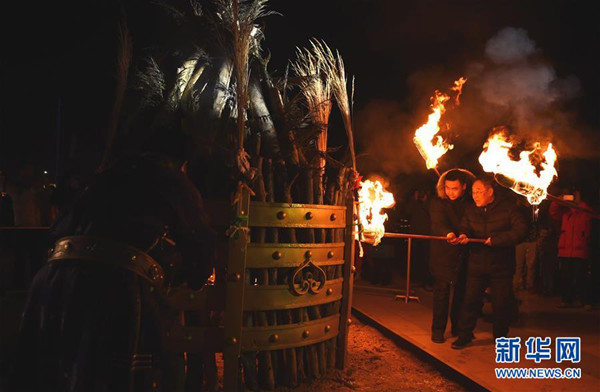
93, 317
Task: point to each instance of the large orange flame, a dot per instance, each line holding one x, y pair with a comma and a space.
432, 146
372, 199
522, 176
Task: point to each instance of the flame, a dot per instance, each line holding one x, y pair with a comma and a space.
520, 175
458, 85
431, 146
372, 198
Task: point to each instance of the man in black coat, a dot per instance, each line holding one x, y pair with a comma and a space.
446, 261
492, 263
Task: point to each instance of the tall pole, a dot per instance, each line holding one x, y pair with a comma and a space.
407, 297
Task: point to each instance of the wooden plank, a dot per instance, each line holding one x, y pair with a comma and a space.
280, 297
289, 335
193, 339
234, 294
348, 274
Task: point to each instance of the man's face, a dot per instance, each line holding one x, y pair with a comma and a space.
454, 189
482, 195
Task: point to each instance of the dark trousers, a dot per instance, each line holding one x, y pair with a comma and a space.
575, 275
502, 301
447, 296
419, 263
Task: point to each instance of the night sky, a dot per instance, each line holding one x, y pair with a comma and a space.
58, 61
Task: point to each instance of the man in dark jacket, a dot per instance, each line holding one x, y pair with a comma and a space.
446, 261
492, 263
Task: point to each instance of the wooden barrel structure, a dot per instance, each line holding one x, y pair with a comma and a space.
279, 312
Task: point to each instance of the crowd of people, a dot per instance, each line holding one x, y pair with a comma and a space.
499, 249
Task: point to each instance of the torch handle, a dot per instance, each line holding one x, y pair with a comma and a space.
424, 154
427, 237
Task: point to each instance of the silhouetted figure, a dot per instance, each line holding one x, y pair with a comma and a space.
549, 230
67, 188
419, 220
7, 256
7, 212
23, 189
526, 255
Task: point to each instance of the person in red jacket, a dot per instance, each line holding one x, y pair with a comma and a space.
574, 250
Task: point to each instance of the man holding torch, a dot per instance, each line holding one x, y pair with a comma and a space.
446, 262
492, 263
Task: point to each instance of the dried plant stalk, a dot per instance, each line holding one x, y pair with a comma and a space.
337, 77
239, 18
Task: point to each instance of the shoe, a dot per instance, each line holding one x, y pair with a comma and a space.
456, 333
461, 343
437, 337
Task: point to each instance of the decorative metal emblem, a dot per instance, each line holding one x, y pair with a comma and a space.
307, 277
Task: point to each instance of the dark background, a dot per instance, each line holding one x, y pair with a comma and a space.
58, 62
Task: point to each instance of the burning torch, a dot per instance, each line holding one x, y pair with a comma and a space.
430, 145
520, 176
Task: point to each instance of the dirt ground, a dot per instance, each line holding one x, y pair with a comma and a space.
376, 363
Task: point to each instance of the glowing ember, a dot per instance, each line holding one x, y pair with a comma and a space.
458, 85
432, 146
372, 199
520, 175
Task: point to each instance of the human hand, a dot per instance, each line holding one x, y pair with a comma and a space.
451, 238
488, 242
462, 239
